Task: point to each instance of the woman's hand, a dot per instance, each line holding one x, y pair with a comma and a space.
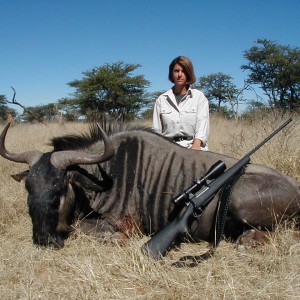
196, 144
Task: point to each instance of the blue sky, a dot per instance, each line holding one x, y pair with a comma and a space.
46, 44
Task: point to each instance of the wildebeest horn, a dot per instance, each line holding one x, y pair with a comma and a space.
63, 159
29, 157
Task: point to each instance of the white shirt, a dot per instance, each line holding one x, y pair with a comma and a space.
188, 118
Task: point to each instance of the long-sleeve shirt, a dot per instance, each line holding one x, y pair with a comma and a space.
190, 117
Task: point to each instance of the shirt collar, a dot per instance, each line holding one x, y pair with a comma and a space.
170, 92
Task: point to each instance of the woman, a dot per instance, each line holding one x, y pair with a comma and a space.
182, 113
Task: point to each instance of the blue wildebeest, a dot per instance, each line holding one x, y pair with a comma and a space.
127, 181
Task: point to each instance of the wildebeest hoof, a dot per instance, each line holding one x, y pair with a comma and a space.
250, 239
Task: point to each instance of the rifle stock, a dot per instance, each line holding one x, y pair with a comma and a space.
159, 244
161, 241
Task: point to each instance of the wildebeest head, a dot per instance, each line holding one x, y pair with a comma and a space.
50, 183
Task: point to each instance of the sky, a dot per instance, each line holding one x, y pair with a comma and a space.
46, 44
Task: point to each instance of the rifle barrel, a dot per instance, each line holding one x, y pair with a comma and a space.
269, 137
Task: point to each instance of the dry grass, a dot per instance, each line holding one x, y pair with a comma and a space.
87, 269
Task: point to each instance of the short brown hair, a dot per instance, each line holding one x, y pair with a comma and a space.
187, 65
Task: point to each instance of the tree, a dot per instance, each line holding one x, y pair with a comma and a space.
219, 89
216, 87
70, 109
5, 110
276, 69
40, 113
147, 113
111, 88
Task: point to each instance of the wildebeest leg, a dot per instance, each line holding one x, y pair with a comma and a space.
116, 231
101, 229
252, 238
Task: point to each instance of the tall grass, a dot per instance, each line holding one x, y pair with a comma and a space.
87, 269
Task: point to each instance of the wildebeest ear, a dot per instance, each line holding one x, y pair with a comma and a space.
21, 176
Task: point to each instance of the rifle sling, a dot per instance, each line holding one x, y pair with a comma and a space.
222, 208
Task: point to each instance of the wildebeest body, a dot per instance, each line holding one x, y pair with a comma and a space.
149, 171
137, 184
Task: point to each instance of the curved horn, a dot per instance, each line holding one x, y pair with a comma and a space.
28, 157
63, 159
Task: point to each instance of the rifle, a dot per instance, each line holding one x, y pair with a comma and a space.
196, 199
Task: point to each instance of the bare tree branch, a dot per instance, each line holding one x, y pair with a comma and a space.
14, 101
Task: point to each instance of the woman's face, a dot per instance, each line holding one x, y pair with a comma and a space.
179, 76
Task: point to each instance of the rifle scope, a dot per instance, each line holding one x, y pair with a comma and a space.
214, 171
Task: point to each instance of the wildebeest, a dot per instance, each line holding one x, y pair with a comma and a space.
127, 181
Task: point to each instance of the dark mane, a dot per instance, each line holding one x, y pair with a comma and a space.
84, 140
76, 141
